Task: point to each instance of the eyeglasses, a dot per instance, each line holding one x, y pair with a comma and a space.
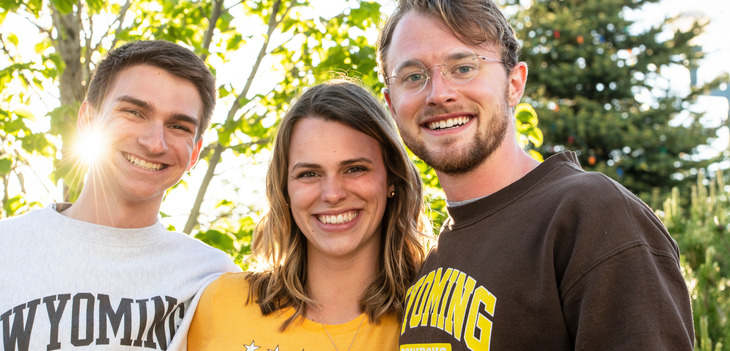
461, 66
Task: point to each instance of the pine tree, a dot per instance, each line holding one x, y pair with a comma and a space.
702, 230
595, 81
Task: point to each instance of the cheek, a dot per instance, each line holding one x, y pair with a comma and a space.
379, 195
300, 198
406, 107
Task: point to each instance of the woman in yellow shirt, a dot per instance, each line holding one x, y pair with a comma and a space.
343, 237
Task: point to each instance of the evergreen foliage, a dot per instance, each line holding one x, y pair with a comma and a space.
703, 233
595, 81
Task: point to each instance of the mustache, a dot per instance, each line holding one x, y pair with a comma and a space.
431, 112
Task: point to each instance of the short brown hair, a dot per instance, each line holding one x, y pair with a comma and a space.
171, 57
474, 22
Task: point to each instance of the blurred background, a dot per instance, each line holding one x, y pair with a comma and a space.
637, 88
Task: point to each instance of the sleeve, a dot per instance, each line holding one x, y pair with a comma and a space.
198, 337
633, 300
628, 292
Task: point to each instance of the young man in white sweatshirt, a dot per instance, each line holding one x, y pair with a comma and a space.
103, 273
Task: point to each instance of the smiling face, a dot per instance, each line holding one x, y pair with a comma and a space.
452, 127
149, 119
338, 188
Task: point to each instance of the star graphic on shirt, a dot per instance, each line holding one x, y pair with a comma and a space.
276, 349
251, 347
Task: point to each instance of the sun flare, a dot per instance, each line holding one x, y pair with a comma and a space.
91, 146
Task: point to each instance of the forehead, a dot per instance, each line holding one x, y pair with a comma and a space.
425, 38
315, 140
157, 87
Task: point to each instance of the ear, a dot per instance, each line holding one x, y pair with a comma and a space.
386, 94
84, 120
516, 80
196, 153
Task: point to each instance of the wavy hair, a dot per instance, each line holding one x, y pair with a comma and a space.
278, 278
474, 22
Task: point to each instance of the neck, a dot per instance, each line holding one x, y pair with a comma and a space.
93, 207
505, 166
337, 285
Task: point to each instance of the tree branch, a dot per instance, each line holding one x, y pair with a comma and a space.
120, 21
215, 158
208, 37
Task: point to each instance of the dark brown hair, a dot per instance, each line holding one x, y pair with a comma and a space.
173, 58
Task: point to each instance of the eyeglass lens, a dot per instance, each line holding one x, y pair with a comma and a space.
460, 66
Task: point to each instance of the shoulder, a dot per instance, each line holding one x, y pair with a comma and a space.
228, 289
189, 255
568, 182
230, 281
32, 216
187, 244
592, 208
27, 227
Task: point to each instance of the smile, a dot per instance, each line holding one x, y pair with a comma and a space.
337, 219
448, 123
144, 164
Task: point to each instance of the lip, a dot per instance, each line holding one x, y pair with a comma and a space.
448, 122
143, 163
339, 219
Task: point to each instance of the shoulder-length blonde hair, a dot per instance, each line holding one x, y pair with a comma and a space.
278, 278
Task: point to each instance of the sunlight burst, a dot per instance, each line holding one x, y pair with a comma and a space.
91, 146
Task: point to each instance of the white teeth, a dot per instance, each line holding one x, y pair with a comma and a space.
448, 123
337, 219
144, 164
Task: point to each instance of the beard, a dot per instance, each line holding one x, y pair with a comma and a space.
449, 160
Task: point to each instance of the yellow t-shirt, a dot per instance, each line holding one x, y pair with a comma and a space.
223, 321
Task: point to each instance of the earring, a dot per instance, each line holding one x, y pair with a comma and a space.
392, 194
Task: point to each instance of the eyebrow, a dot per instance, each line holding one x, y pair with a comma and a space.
408, 63
181, 117
343, 163
416, 63
460, 55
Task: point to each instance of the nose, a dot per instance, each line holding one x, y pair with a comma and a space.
332, 190
441, 89
153, 138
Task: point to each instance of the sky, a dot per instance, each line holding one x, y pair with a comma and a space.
251, 189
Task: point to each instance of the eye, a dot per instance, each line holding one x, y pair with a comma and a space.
462, 70
413, 77
356, 169
132, 112
305, 175
181, 127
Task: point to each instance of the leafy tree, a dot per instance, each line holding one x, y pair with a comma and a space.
285, 39
596, 84
310, 50
74, 35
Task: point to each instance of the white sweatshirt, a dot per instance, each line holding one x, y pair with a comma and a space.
68, 284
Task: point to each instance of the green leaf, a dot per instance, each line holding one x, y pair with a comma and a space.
214, 238
14, 204
64, 6
535, 136
13, 39
526, 114
6, 165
